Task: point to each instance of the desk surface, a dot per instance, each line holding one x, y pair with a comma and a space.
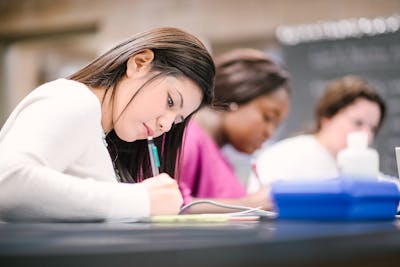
274, 243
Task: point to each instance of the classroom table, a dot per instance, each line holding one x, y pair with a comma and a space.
265, 243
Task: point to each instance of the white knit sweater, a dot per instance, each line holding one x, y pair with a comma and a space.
54, 164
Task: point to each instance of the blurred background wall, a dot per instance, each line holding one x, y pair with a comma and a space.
41, 40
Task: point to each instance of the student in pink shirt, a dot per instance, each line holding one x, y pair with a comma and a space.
251, 100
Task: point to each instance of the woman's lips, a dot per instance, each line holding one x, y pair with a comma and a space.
148, 130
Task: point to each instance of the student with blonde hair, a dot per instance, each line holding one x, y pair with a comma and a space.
348, 104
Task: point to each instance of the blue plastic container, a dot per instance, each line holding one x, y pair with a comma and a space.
343, 198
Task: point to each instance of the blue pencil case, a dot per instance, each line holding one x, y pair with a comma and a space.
343, 198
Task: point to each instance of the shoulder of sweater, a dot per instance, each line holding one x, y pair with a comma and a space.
68, 93
66, 88
197, 138
289, 146
291, 141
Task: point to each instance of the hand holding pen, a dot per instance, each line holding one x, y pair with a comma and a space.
164, 195
255, 172
161, 187
262, 197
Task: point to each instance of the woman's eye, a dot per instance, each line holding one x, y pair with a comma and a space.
170, 101
358, 123
267, 118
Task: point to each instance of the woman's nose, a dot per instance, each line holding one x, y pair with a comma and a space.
164, 125
165, 122
269, 130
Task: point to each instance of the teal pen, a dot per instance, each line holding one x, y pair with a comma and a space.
153, 154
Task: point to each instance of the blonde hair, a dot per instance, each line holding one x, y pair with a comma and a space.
341, 93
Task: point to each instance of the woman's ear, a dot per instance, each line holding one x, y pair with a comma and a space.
139, 62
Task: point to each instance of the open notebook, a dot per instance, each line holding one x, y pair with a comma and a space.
244, 214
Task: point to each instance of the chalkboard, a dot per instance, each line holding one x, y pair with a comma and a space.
375, 56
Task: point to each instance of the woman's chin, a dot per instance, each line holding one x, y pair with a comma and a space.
127, 137
246, 150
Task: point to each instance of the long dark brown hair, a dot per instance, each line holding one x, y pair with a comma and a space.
176, 53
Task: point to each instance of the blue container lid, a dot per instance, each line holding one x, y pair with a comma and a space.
342, 198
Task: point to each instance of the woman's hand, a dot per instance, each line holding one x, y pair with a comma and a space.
165, 197
262, 198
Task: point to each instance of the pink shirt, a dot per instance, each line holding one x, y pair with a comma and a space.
205, 171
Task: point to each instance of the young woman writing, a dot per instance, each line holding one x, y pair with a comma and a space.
73, 147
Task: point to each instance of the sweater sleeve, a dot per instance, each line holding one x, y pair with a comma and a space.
46, 136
